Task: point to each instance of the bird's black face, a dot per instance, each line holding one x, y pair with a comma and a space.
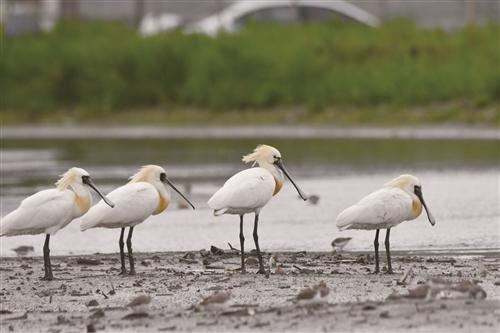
418, 192
88, 181
163, 177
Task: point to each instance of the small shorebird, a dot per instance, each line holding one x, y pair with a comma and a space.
144, 195
250, 190
438, 288
50, 210
316, 294
140, 304
217, 301
23, 250
313, 199
399, 200
339, 243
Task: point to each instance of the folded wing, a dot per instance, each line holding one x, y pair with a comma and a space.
43, 212
384, 208
133, 204
248, 189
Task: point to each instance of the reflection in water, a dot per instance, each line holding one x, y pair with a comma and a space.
460, 179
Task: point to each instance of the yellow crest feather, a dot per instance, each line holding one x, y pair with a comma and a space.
253, 156
142, 175
66, 179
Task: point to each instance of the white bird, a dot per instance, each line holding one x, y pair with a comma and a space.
144, 195
399, 200
50, 210
250, 190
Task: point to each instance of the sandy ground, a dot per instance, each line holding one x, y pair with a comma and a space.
91, 296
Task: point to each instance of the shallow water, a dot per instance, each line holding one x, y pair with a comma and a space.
460, 183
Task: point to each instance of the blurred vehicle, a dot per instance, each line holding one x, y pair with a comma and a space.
152, 24
234, 16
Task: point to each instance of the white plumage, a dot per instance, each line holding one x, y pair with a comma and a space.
51, 210
44, 212
399, 200
143, 196
382, 209
245, 192
134, 203
250, 190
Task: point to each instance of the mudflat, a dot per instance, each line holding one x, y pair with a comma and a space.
89, 295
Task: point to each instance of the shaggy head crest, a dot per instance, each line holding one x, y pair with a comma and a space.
404, 182
70, 177
261, 153
146, 174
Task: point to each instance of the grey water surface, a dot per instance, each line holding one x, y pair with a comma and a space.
460, 183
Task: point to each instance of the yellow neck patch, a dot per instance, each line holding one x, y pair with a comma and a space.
82, 202
162, 204
278, 186
416, 207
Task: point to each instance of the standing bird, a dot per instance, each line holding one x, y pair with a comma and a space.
144, 195
316, 294
339, 243
250, 190
140, 304
50, 210
399, 200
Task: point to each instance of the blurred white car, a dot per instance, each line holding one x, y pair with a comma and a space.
153, 24
235, 15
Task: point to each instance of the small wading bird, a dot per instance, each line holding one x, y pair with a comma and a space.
144, 195
140, 304
316, 294
339, 243
219, 300
399, 200
50, 210
23, 250
250, 190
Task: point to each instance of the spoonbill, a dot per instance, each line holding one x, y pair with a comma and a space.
250, 190
144, 195
50, 210
399, 200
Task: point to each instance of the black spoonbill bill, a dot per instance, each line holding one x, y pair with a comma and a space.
399, 200
144, 195
250, 190
50, 210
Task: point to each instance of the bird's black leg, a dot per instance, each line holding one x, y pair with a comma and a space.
375, 244
388, 252
122, 253
46, 259
242, 246
256, 240
129, 248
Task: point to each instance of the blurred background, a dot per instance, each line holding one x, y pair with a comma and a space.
353, 93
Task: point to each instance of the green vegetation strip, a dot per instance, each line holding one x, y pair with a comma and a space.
315, 72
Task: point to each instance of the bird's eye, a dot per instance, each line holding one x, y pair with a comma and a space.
163, 176
85, 179
417, 189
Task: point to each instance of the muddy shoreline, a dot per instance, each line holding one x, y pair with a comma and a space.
89, 294
241, 132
